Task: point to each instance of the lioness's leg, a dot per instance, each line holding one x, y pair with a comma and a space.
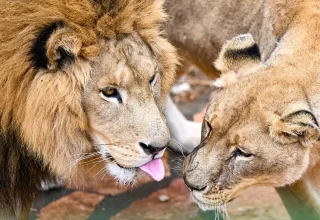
301, 199
185, 134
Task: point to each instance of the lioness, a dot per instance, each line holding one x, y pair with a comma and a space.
80, 79
262, 125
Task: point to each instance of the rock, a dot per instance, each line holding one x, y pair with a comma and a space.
75, 206
179, 206
164, 198
266, 206
258, 202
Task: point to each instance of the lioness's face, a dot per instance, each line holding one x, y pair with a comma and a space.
249, 136
243, 154
123, 105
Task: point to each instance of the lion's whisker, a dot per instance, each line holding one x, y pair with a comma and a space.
90, 161
104, 175
103, 169
102, 160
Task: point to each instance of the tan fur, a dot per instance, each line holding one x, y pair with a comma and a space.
270, 111
199, 28
57, 111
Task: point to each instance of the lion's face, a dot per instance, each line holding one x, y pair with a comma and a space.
90, 81
123, 105
247, 137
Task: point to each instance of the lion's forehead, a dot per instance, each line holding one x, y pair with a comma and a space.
122, 62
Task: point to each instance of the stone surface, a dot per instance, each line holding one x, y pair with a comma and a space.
259, 203
75, 206
178, 207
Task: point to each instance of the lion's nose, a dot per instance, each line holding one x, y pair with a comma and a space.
149, 149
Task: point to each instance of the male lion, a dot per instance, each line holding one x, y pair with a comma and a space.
80, 78
262, 126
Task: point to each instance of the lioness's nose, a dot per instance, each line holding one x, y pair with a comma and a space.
193, 186
149, 149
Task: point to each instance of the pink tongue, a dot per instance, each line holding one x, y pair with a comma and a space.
155, 169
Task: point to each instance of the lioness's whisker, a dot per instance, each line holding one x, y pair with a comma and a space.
180, 146
215, 211
226, 211
177, 162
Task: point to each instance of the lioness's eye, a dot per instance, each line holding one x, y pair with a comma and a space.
153, 80
111, 94
238, 152
206, 129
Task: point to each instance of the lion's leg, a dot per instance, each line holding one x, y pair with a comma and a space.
302, 199
24, 215
185, 134
15, 213
7, 213
51, 185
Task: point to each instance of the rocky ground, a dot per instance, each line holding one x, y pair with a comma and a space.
101, 198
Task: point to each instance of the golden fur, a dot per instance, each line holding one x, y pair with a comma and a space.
262, 124
51, 112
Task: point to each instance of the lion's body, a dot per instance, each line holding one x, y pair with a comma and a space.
265, 116
54, 66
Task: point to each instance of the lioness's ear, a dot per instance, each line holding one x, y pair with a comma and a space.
238, 52
55, 46
299, 126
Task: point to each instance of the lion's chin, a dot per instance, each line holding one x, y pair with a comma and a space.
124, 176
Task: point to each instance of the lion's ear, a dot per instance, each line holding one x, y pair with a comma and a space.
62, 48
55, 46
300, 126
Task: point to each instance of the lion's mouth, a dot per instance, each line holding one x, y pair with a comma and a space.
154, 168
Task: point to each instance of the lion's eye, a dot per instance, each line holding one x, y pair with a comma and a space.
111, 94
238, 152
153, 80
